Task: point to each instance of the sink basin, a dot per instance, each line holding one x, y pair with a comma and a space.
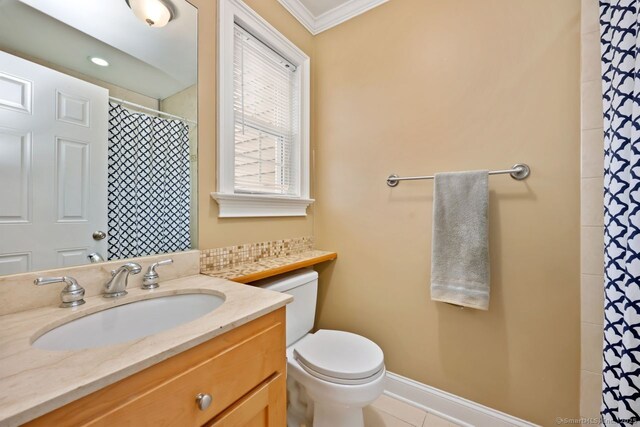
128, 322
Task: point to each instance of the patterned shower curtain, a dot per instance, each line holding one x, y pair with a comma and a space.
621, 93
148, 184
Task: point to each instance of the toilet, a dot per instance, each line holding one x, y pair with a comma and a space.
331, 375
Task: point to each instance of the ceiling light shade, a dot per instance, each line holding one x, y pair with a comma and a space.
154, 13
99, 61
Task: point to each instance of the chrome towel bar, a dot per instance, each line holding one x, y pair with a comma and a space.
519, 172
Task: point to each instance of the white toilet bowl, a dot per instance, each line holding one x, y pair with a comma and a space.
346, 373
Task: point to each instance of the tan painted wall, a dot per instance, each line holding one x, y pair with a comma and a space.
214, 232
421, 86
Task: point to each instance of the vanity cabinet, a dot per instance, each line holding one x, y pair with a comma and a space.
243, 371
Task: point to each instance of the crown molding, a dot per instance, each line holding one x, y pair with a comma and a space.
343, 13
338, 15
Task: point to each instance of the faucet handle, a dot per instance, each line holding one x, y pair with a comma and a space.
72, 295
150, 279
40, 281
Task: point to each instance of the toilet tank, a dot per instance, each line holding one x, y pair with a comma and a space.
301, 313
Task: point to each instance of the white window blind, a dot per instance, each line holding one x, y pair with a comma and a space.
266, 98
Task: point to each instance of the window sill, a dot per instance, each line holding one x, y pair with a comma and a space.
254, 205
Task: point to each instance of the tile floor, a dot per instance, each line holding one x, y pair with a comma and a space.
389, 412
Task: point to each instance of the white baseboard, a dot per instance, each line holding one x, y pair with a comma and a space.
448, 406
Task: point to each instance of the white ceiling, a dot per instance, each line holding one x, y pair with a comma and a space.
156, 62
318, 7
320, 15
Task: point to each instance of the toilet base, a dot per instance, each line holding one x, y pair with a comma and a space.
299, 405
328, 415
302, 411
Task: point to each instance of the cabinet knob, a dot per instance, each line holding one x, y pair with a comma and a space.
203, 400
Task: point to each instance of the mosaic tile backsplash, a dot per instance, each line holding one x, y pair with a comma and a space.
231, 256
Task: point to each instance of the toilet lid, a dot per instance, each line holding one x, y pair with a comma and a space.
339, 354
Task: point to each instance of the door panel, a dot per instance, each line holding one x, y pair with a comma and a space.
73, 109
15, 263
15, 93
73, 174
71, 257
15, 169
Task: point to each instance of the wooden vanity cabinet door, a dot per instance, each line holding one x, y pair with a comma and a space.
263, 407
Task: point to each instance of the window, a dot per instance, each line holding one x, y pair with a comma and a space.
263, 107
265, 95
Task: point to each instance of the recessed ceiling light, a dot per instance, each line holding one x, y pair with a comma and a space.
99, 61
154, 13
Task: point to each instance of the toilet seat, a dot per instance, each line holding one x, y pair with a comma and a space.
340, 357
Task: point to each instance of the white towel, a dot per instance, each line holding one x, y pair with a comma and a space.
460, 248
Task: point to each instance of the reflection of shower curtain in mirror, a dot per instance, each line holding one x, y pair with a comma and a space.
148, 184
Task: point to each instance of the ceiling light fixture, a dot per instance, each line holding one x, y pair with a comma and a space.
154, 13
99, 61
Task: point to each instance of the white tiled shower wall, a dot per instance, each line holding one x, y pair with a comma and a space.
592, 219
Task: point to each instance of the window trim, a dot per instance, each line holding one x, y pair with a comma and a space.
232, 204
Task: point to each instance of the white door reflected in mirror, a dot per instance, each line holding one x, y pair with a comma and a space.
53, 144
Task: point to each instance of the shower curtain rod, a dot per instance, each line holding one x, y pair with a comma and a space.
151, 110
518, 172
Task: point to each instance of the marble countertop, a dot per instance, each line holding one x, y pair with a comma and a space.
34, 382
249, 272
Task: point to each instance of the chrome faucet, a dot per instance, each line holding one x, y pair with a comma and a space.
72, 295
117, 285
150, 279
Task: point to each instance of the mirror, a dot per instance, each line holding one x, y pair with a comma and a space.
98, 131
